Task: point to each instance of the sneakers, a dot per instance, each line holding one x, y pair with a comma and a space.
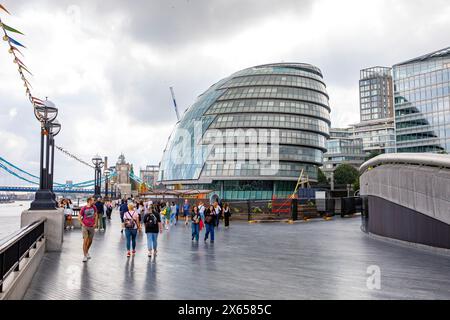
88, 256
85, 259
128, 254
71, 227
150, 253
133, 252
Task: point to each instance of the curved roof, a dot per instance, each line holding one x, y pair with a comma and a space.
425, 159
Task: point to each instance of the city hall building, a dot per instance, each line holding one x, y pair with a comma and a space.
251, 135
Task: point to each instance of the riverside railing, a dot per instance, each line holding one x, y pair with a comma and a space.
17, 247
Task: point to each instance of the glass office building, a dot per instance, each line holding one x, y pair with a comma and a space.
422, 103
376, 97
377, 136
343, 148
250, 135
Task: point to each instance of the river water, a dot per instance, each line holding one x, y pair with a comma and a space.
10, 217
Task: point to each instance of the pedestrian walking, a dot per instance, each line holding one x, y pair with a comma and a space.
218, 211
186, 213
226, 215
122, 209
109, 209
210, 222
68, 212
173, 214
87, 218
167, 214
132, 225
153, 226
195, 223
103, 217
100, 212
177, 208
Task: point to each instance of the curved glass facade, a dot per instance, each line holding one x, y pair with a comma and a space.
422, 103
265, 123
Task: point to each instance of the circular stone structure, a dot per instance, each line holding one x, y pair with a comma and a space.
250, 135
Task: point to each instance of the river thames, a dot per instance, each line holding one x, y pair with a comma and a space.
10, 217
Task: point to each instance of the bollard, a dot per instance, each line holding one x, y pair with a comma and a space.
294, 209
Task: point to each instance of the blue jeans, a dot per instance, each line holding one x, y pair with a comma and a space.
152, 241
195, 231
130, 234
209, 229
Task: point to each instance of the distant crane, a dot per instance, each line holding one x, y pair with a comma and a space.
175, 103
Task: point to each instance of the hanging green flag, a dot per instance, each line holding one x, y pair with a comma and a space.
4, 9
6, 27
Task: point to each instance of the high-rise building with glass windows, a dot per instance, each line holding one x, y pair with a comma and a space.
252, 134
343, 147
376, 97
422, 103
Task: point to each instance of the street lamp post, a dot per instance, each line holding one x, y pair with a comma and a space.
107, 173
98, 164
46, 114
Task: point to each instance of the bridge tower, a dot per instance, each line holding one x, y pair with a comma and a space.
122, 180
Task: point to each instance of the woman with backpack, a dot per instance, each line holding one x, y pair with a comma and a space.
195, 223
153, 226
131, 224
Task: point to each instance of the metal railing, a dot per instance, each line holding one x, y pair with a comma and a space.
17, 247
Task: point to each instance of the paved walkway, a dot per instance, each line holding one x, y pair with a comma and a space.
314, 260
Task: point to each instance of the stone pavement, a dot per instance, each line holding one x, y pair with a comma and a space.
314, 260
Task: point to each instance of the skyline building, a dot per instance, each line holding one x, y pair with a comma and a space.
343, 148
376, 93
422, 103
282, 108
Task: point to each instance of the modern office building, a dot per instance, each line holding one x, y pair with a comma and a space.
343, 148
376, 128
149, 175
376, 94
250, 135
422, 103
377, 136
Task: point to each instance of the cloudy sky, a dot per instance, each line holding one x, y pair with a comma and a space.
108, 65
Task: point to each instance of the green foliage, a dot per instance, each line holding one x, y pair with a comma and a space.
321, 177
373, 154
356, 185
345, 174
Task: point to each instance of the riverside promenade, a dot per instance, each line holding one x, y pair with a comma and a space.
314, 260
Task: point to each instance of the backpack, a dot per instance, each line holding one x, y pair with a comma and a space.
129, 222
150, 221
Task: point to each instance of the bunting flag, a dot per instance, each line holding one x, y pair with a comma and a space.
4, 9
20, 63
13, 49
13, 44
11, 29
24, 68
17, 43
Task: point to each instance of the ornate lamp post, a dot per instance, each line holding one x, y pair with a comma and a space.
98, 163
46, 114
